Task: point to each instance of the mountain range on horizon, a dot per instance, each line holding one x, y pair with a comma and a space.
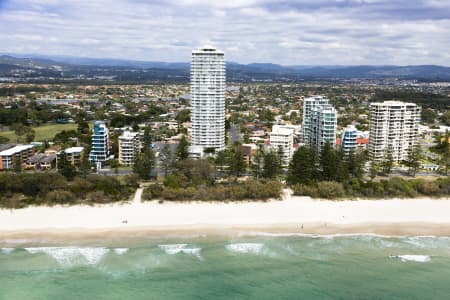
59, 66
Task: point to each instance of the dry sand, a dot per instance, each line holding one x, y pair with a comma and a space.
291, 215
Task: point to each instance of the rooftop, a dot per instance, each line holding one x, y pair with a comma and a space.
392, 103
74, 150
15, 150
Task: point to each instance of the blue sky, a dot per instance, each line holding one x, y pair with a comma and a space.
303, 32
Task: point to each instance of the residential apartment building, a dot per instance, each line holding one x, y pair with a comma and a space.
282, 138
319, 122
207, 100
394, 127
74, 155
349, 139
129, 145
17, 154
309, 104
100, 144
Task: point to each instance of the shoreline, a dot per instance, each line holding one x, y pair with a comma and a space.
397, 217
388, 230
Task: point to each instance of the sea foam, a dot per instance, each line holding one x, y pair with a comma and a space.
120, 251
70, 256
172, 249
254, 248
7, 250
410, 257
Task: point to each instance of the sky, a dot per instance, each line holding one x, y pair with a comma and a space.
303, 32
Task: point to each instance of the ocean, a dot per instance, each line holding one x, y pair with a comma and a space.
246, 266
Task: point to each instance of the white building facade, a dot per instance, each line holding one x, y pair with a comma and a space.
319, 122
207, 100
394, 127
129, 145
309, 104
348, 139
100, 144
282, 138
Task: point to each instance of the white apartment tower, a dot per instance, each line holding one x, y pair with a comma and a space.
394, 127
207, 100
282, 137
129, 145
100, 144
348, 139
309, 104
319, 122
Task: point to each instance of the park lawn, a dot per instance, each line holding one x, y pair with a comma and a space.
42, 132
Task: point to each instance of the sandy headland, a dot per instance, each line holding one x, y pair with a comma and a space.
291, 216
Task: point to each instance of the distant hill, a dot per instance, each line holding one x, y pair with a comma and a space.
63, 67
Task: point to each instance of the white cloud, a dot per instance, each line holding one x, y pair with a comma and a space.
286, 32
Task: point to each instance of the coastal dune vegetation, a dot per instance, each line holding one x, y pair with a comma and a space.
394, 187
248, 190
18, 190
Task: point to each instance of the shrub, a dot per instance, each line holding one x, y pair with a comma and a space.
59, 197
153, 191
251, 189
306, 190
428, 188
399, 187
330, 189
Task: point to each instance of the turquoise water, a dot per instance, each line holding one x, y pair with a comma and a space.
244, 267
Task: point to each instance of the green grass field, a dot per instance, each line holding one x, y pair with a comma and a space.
42, 132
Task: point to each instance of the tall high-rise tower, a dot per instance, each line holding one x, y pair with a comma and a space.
100, 143
319, 122
207, 100
394, 127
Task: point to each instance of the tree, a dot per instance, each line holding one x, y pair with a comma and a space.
147, 139
258, 163
196, 171
166, 159
303, 166
114, 164
26, 131
387, 163
30, 135
443, 149
4, 140
183, 116
17, 164
85, 164
445, 118
271, 165
428, 116
144, 163
329, 163
413, 161
83, 127
114, 138
373, 170
280, 156
65, 168
355, 162
236, 160
221, 159
182, 149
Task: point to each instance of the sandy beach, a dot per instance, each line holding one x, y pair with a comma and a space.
291, 215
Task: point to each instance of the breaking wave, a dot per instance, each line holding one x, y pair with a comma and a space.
70, 256
7, 250
173, 249
410, 257
120, 251
254, 248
